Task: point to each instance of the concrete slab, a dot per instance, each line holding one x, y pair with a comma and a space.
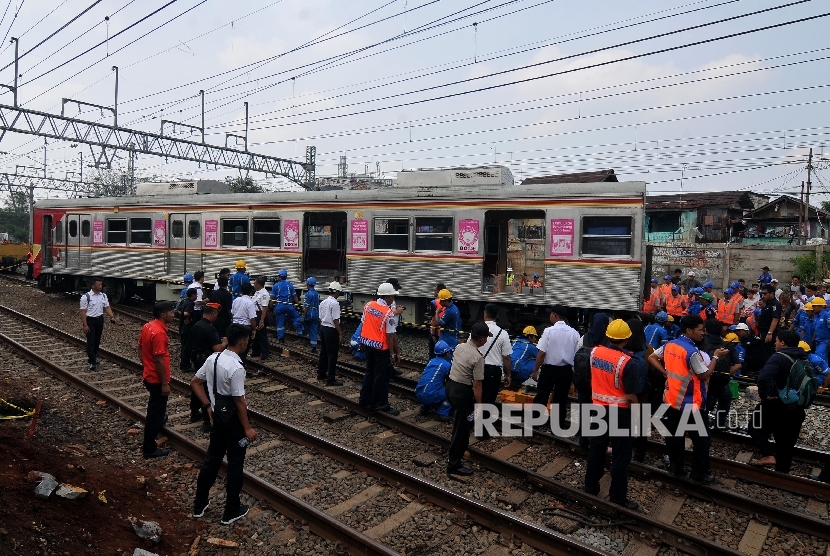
510, 450
255, 381
363, 496
385, 438
341, 474
394, 521
743, 457
426, 459
260, 448
670, 508
295, 394
515, 497
816, 508
274, 388
336, 416
551, 468
754, 537
305, 491
366, 427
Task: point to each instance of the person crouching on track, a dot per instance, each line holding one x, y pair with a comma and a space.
224, 376
154, 345
464, 390
261, 301
330, 336
94, 304
448, 319
206, 341
311, 312
243, 313
614, 384
524, 356
686, 374
430, 391
285, 295
378, 338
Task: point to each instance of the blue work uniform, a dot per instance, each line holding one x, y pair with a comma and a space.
810, 329
765, 279
694, 308
430, 389
235, 282
738, 355
312, 314
674, 332
522, 360
800, 324
283, 293
450, 324
656, 335
357, 350
822, 332
821, 366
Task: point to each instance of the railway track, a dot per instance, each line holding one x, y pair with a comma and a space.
124, 391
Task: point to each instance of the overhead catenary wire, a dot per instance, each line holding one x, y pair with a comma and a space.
20, 7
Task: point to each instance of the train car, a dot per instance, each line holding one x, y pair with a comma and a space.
464, 227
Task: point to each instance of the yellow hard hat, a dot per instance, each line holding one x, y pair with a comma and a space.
731, 337
240, 264
529, 331
618, 330
444, 294
808, 306
804, 345
671, 318
819, 302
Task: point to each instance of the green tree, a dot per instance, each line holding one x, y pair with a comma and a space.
14, 216
243, 185
807, 268
825, 206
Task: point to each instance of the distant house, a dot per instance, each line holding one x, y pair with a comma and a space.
698, 217
778, 222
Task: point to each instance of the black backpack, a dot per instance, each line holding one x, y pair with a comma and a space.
802, 384
582, 369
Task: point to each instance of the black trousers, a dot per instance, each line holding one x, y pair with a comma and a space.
719, 397
93, 337
156, 409
196, 406
621, 456
260, 343
30, 271
556, 379
784, 424
186, 335
329, 348
676, 446
462, 400
222, 441
584, 398
375, 390
491, 385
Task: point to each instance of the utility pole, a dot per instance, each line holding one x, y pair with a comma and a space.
115, 110
202, 93
31, 212
15, 73
807, 197
801, 217
44, 157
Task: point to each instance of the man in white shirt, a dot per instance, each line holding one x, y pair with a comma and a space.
261, 300
94, 304
228, 380
198, 280
331, 336
243, 313
554, 368
496, 352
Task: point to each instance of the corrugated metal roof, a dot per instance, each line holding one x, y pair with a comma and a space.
812, 212
688, 201
579, 177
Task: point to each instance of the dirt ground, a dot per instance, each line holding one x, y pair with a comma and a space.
56, 526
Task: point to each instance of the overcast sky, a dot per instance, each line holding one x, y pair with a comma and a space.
737, 113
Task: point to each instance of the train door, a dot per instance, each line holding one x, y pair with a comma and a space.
515, 240
185, 246
324, 237
46, 241
72, 253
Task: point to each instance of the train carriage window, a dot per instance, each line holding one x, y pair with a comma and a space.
177, 229
235, 233
59, 232
391, 234
73, 228
607, 235
194, 229
117, 231
434, 234
85, 228
266, 232
141, 231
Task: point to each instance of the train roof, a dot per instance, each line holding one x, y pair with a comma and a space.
415, 192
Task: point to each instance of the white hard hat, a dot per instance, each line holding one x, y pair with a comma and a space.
335, 286
387, 289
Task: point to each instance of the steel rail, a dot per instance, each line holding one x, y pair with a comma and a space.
509, 525
319, 522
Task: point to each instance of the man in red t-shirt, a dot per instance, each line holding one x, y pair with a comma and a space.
155, 356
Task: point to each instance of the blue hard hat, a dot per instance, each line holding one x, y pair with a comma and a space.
733, 327
535, 274
661, 316
708, 285
311, 281
282, 273
188, 277
729, 291
697, 291
675, 288
441, 347
735, 286
654, 280
667, 277
757, 312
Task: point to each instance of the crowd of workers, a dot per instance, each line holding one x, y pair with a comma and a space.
682, 351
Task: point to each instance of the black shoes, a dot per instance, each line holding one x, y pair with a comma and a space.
388, 409
701, 479
207, 428
820, 477
321, 377
628, 504
443, 418
159, 453
335, 383
313, 350
195, 417
424, 411
396, 372
200, 513
228, 518
461, 471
